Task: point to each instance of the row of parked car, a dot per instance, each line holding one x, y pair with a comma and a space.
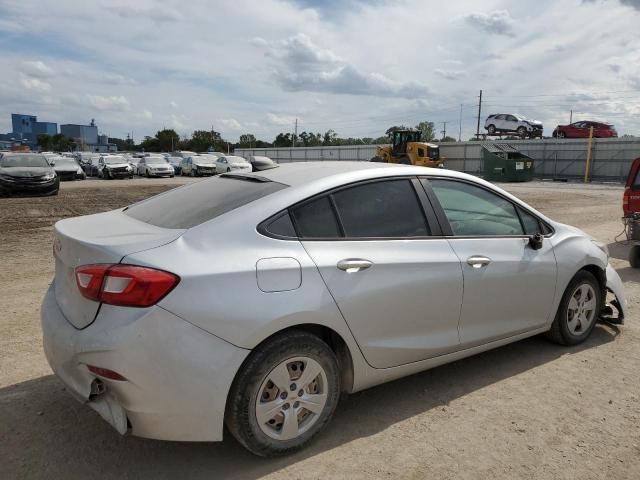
508, 123
80, 165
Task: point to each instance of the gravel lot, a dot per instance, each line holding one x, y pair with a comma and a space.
527, 410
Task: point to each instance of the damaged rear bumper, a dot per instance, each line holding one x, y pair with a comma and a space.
177, 375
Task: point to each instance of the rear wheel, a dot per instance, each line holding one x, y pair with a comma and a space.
634, 256
578, 310
561, 134
284, 394
491, 129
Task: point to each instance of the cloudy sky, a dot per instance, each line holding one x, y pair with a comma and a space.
355, 66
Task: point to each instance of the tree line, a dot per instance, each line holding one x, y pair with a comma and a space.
167, 140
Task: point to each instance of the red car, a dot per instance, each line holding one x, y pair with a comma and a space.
581, 130
631, 208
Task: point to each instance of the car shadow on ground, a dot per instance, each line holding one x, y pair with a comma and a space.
46, 433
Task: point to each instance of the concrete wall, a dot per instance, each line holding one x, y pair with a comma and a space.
553, 158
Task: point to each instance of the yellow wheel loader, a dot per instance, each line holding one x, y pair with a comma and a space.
406, 148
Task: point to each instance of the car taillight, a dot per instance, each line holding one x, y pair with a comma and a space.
124, 285
625, 202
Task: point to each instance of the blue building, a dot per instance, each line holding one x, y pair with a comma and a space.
48, 128
81, 134
27, 128
22, 124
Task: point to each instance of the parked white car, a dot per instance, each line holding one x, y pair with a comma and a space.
232, 163
114, 166
155, 166
198, 165
508, 123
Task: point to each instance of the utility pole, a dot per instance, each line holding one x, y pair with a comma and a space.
444, 130
293, 140
460, 125
479, 113
571, 117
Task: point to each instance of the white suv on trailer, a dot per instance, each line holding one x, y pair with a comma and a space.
508, 123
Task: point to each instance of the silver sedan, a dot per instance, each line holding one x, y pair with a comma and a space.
255, 299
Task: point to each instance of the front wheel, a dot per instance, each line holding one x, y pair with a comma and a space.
578, 310
284, 394
522, 131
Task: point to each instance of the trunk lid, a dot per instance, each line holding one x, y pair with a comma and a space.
100, 238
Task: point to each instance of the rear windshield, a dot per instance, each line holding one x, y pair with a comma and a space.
194, 204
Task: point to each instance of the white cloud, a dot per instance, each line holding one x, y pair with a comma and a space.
116, 103
155, 13
301, 65
280, 120
37, 68
498, 22
35, 84
450, 74
230, 124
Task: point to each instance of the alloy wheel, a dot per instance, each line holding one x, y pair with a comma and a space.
581, 311
291, 398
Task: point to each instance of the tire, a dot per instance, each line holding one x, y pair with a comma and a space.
228, 170
378, 159
562, 329
634, 256
491, 129
561, 134
253, 384
147, 174
522, 131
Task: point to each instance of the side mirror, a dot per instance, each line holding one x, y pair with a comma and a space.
535, 241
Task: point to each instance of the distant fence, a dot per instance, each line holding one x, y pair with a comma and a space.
553, 158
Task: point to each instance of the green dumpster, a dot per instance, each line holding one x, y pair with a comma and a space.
505, 163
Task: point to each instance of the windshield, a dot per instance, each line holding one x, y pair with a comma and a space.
236, 160
155, 161
23, 161
113, 160
65, 161
208, 160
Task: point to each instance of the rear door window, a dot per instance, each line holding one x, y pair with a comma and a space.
385, 209
191, 205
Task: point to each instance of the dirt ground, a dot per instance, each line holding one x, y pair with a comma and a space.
528, 410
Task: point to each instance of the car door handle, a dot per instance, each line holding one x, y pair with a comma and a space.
353, 265
478, 261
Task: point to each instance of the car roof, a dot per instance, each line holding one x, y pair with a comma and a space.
302, 173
